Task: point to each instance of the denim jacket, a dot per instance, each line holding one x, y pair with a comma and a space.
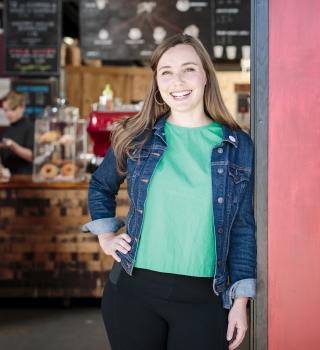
232, 175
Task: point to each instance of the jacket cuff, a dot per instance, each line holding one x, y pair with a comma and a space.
103, 225
242, 288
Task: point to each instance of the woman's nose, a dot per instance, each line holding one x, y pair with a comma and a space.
178, 78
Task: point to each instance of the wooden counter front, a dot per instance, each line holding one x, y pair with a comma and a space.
43, 252
25, 181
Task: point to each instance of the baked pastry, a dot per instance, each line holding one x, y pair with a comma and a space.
69, 169
49, 171
49, 136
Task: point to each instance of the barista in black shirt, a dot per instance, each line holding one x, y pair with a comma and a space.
16, 145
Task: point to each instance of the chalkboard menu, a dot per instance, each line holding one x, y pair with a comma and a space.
231, 29
32, 30
131, 29
1, 17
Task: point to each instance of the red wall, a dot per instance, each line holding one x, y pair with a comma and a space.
294, 175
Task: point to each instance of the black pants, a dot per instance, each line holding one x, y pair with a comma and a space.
160, 311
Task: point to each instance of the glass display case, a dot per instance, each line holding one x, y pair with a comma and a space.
60, 146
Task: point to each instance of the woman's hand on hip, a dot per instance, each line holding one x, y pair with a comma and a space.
110, 243
237, 322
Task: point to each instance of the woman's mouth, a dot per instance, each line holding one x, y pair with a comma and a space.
179, 95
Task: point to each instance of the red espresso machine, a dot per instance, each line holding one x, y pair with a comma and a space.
99, 129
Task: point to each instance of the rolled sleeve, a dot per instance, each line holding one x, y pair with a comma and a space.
103, 225
242, 288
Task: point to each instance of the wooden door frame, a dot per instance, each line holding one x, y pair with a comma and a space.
259, 126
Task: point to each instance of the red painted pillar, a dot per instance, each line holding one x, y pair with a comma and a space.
294, 175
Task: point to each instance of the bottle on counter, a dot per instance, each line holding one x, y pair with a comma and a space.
106, 99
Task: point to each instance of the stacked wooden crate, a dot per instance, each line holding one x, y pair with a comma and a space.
43, 252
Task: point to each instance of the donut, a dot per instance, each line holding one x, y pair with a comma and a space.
49, 171
49, 136
68, 169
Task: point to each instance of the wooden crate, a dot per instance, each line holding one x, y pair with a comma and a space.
43, 252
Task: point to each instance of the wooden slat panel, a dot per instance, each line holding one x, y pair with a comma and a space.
43, 252
85, 84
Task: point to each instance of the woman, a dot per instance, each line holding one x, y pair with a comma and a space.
16, 145
189, 251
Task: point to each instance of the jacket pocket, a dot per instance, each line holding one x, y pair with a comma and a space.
237, 182
238, 174
139, 153
135, 160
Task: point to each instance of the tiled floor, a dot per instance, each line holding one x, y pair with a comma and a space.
50, 326
27, 324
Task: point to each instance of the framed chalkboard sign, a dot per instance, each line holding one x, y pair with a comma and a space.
231, 29
32, 35
131, 29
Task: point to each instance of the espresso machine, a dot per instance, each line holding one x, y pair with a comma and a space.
99, 129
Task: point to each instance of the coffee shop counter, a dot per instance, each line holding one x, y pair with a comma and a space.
43, 252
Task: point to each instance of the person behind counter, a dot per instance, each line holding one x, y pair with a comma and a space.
189, 251
16, 144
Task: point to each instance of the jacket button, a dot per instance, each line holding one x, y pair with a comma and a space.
232, 138
140, 211
220, 230
145, 180
220, 200
220, 150
220, 170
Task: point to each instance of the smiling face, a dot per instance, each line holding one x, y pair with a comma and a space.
181, 80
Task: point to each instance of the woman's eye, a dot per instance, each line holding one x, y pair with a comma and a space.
166, 72
189, 69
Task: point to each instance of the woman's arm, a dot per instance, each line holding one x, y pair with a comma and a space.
103, 188
242, 264
242, 249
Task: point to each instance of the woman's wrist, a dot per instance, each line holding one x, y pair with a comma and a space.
241, 301
106, 235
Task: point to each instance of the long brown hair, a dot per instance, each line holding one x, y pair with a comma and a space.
127, 129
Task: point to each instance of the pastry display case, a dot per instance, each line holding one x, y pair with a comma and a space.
60, 146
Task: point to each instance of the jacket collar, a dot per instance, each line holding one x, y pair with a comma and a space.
229, 135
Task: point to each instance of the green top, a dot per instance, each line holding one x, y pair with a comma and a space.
177, 232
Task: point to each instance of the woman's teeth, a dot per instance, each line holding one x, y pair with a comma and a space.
181, 93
